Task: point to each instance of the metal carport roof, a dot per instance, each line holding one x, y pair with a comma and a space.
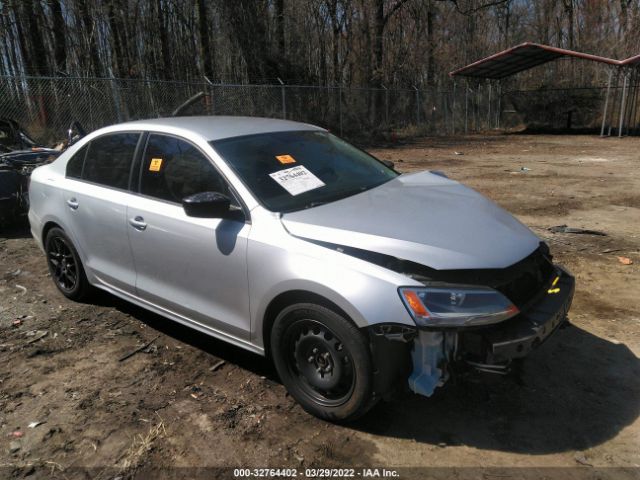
522, 57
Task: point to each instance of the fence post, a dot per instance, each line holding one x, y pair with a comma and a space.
499, 109
489, 108
466, 108
632, 100
453, 110
210, 103
284, 98
622, 102
417, 105
606, 102
386, 106
340, 107
445, 112
116, 98
476, 109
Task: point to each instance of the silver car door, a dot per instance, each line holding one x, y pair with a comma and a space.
96, 197
193, 267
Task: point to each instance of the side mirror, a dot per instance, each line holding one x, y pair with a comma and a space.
75, 133
389, 164
207, 205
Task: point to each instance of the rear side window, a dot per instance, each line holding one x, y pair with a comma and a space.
75, 163
173, 169
108, 161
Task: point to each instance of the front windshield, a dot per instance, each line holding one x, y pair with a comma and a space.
289, 171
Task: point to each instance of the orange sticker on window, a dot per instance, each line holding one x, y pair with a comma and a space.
285, 159
155, 165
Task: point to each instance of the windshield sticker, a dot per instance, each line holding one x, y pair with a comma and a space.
297, 180
285, 159
155, 165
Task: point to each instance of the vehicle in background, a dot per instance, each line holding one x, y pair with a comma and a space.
19, 155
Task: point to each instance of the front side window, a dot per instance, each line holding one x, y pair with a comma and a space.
173, 169
289, 171
108, 161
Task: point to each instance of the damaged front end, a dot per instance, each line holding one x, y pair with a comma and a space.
475, 319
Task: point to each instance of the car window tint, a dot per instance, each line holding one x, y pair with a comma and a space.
173, 169
108, 161
75, 163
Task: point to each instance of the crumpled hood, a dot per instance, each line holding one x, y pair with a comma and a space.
421, 217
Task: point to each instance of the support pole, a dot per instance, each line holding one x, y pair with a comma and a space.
606, 103
386, 106
417, 105
622, 103
489, 108
340, 107
613, 103
445, 112
466, 108
498, 110
284, 98
476, 110
210, 100
633, 94
453, 110
634, 120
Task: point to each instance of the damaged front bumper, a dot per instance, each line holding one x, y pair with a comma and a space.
424, 358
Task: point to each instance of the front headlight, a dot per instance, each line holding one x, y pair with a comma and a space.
451, 306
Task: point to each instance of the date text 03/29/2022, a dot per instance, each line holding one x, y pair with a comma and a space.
315, 473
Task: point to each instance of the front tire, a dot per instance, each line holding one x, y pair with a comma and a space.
324, 361
65, 265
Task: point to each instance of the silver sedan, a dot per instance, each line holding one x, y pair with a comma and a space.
280, 238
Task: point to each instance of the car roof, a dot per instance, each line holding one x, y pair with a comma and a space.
218, 127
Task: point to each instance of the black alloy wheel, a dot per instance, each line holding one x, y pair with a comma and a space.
65, 265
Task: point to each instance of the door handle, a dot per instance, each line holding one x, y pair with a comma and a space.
73, 203
138, 223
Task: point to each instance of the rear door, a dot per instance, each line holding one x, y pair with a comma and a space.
96, 195
193, 267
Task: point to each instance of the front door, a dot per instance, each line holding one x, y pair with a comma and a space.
193, 267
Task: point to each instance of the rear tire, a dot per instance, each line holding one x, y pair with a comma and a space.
324, 361
65, 266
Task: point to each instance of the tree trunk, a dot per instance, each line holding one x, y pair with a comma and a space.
431, 48
164, 41
92, 41
59, 35
206, 52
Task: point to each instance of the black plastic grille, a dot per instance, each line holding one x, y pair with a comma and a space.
529, 277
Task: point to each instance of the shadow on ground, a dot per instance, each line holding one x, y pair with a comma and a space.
577, 391
218, 348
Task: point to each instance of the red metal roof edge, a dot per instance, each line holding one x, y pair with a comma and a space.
630, 60
548, 48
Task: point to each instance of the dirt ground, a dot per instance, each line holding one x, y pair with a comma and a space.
575, 406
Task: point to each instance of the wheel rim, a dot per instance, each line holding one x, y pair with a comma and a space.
62, 264
319, 361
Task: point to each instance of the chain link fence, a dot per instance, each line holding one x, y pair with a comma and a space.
45, 107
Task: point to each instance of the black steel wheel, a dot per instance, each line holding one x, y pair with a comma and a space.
65, 266
324, 361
